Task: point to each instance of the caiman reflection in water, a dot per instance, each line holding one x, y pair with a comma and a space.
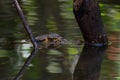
89, 64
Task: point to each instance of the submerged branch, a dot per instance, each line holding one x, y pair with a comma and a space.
29, 32
26, 26
26, 64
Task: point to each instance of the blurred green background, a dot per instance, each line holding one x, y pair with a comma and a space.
54, 16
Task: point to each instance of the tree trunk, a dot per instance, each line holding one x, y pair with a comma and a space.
89, 64
87, 14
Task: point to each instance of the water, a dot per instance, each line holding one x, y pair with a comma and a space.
56, 16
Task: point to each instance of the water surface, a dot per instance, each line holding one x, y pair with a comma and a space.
56, 16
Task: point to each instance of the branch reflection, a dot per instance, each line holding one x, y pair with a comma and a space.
89, 64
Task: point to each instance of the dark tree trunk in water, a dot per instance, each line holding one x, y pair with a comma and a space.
89, 63
87, 14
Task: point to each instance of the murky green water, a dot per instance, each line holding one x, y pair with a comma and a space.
56, 16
